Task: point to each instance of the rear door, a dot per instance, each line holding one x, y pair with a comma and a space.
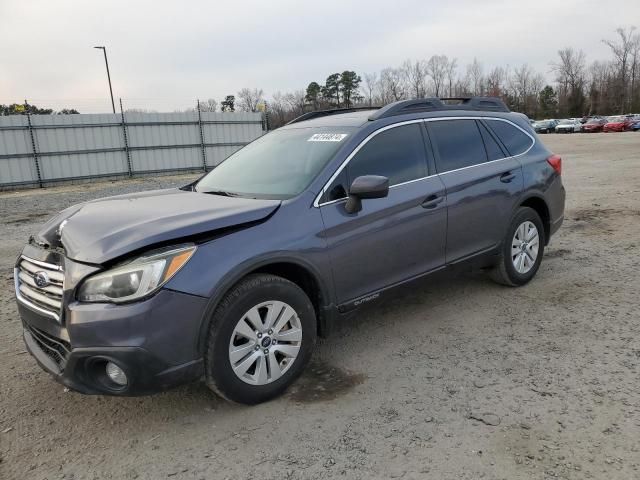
394, 238
482, 182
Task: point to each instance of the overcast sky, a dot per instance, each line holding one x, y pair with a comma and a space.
165, 54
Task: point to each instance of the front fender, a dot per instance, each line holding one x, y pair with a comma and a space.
253, 265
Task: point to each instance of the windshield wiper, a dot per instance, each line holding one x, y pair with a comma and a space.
222, 193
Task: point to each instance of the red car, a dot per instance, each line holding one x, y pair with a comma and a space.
594, 125
618, 124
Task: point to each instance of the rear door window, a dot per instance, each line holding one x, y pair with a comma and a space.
513, 138
459, 144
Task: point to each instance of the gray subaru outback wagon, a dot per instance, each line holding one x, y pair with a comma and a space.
232, 277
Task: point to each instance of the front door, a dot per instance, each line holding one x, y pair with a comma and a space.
394, 238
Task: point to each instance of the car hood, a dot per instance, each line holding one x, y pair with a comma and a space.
101, 230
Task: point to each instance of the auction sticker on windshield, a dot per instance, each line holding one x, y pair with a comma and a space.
327, 137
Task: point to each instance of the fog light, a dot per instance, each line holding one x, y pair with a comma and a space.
116, 374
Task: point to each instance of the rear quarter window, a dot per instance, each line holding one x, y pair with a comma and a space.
494, 152
514, 139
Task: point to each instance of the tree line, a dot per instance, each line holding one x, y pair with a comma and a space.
24, 108
579, 88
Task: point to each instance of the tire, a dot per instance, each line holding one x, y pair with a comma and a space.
270, 373
511, 269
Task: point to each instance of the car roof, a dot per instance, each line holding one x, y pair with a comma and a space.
404, 110
361, 118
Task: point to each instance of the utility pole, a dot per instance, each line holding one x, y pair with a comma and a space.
106, 62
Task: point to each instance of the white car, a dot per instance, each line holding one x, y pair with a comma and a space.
570, 125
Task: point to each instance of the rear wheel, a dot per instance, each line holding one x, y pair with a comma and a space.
522, 249
261, 337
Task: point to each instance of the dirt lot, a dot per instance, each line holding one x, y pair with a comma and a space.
457, 379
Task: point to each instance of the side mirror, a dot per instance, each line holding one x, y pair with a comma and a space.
366, 186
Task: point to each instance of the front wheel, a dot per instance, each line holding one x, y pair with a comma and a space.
522, 249
261, 337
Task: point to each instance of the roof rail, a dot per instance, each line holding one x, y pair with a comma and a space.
433, 104
325, 113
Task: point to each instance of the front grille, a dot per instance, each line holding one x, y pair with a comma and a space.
40, 285
55, 348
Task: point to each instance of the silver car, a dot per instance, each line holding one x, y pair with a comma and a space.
570, 125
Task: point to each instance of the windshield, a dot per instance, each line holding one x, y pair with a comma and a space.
616, 119
567, 122
278, 165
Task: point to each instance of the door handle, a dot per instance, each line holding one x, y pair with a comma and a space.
507, 177
432, 201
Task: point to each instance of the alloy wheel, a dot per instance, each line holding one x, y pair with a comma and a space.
265, 342
524, 247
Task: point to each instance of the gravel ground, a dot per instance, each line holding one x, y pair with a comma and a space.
458, 378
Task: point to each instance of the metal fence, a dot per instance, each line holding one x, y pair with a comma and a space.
36, 150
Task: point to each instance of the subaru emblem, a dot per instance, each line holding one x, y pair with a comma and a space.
41, 279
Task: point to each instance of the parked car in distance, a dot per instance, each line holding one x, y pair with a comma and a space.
618, 123
635, 126
594, 125
569, 125
545, 126
232, 277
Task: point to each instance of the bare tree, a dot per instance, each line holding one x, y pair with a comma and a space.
537, 84
461, 87
210, 105
570, 75
437, 69
278, 110
249, 99
598, 73
415, 74
622, 51
495, 82
523, 89
296, 101
370, 85
634, 100
476, 77
452, 68
391, 85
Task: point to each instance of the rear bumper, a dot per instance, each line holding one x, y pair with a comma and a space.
555, 198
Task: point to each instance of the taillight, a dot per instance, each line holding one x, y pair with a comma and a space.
556, 163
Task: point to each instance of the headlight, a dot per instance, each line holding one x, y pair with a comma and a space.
137, 278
